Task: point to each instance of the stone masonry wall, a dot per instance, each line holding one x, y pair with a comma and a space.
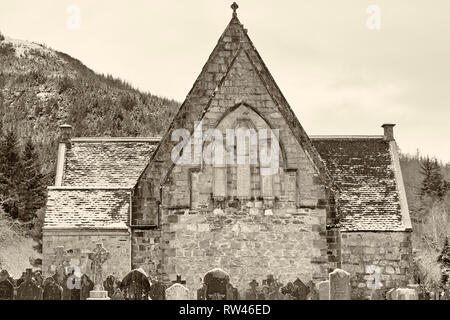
362, 252
80, 243
246, 246
146, 251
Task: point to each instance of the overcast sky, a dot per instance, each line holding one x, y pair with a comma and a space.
339, 76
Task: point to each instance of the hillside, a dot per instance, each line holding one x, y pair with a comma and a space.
41, 88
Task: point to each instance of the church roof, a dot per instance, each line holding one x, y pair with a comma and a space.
364, 169
85, 208
106, 162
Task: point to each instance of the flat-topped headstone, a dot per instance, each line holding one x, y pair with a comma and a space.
324, 290
406, 294
340, 285
177, 292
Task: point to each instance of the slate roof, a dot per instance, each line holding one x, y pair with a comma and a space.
87, 208
363, 169
108, 162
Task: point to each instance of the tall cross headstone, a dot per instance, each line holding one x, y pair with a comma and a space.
98, 256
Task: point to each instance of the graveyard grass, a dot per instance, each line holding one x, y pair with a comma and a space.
16, 249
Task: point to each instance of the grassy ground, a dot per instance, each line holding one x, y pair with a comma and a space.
15, 249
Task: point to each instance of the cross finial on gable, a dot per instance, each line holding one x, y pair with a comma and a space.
234, 6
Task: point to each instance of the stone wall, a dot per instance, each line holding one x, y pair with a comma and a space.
146, 251
246, 246
363, 252
78, 244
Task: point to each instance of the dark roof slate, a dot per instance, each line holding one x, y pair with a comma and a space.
69, 208
106, 163
362, 168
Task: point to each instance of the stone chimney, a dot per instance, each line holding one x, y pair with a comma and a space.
66, 135
388, 131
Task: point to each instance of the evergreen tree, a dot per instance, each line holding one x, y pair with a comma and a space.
32, 187
10, 172
444, 261
433, 184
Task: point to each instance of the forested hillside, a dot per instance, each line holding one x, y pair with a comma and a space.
428, 192
40, 89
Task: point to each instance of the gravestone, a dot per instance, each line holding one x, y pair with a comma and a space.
391, 294
52, 291
60, 263
324, 290
296, 290
157, 290
253, 293
405, 294
98, 256
313, 292
38, 278
86, 286
6, 287
135, 285
28, 290
177, 292
340, 285
231, 292
216, 286
271, 289
108, 285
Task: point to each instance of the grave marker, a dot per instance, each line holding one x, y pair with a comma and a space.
340, 285
177, 292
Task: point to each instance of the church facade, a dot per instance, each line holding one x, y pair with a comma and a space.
332, 202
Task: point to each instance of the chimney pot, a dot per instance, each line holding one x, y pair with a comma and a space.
66, 134
388, 131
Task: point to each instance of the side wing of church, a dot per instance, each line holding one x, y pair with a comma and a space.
332, 202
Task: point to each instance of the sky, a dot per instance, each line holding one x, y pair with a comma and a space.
345, 67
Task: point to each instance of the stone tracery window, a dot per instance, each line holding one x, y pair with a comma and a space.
240, 176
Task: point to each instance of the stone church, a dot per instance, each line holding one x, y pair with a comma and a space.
334, 201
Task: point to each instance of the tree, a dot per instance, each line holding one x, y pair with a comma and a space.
444, 261
36, 231
32, 187
10, 172
433, 184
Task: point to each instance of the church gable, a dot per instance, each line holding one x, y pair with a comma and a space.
243, 101
234, 74
196, 205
